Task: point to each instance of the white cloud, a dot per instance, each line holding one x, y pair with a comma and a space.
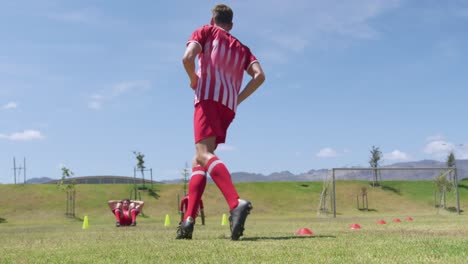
96, 101
326, 153
26, 135
462, 151
129, 86
290, 27
86, 16
439, 148
435, 138
10, 105
95, 105
224, 147
396, 155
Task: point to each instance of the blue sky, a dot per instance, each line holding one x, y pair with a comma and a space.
85, 83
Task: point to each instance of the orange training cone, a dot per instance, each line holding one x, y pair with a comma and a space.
409, 219
304, 232
355, 226
396, 220
381, 222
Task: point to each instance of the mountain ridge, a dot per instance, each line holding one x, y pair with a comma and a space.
321, 174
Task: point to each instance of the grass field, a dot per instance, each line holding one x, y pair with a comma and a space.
35, 230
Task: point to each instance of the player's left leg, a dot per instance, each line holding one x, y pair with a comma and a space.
134, 213
118, 214
197, 186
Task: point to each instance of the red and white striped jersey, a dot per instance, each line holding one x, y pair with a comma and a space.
221, 65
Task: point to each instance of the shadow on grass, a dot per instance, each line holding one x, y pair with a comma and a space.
367, 210
153, 193
462, 186
143, 215
453, 209
284, 238
392, 189
2, 220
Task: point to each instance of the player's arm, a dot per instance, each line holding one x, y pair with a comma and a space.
258, 77
191, 52
181, 207
138, 204
113, 204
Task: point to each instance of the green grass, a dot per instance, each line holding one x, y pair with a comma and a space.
35, 230
434, 239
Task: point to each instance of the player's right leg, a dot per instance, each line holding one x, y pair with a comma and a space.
118, 215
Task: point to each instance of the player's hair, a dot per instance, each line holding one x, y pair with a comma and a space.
222, 14
128, 200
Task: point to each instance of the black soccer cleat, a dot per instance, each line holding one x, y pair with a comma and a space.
238, 217
117, 224
185, 229
133, 224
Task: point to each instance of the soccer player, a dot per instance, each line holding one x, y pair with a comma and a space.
184, 205
125, 211
222, 61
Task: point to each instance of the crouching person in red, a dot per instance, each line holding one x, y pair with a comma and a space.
125, 211
184, 206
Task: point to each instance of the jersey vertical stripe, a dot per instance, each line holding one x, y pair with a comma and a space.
222, 63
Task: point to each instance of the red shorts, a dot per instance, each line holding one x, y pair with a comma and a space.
211, 119
126, 218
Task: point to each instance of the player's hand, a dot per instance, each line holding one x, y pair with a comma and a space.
194, 81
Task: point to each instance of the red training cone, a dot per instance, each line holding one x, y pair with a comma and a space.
355, 226
381, 222
396, 220
409, 219
304, 232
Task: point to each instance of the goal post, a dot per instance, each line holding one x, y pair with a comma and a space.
378, 169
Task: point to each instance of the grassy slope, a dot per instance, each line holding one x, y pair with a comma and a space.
33, 203
38, 232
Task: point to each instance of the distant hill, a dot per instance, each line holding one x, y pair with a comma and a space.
319, 175
39, 180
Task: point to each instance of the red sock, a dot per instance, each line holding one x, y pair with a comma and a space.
196, 188
221, 176
134, 214
117, 215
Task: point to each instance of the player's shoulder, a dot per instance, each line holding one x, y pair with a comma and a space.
205, 28
241, 44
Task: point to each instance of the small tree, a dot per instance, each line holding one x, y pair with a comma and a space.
185, 173
66, 173
451, 164
140, 164
68, 186
443, 185
376, 155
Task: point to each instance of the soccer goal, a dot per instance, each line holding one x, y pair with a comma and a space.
381, 189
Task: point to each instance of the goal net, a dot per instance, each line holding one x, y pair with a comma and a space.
390, 191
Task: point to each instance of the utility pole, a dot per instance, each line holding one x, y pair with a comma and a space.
17, 171
14, 169
24, 169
